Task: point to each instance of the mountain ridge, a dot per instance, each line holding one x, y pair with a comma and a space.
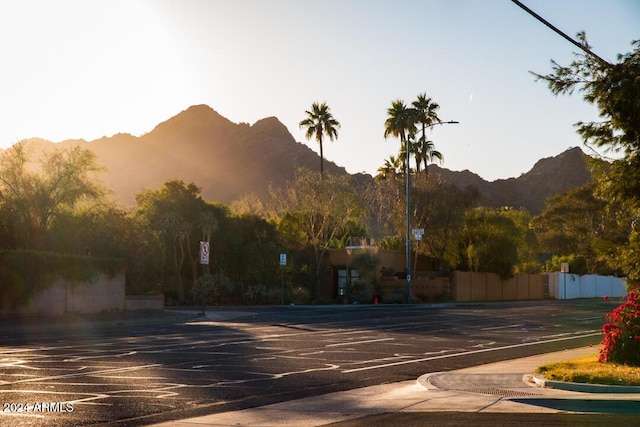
547, 177
228, 160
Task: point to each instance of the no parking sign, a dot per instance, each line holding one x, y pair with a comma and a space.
204, 252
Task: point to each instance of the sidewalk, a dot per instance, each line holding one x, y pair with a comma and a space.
502, 387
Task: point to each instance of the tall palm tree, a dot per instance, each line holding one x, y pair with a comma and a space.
426, 114
400, 122
320, 122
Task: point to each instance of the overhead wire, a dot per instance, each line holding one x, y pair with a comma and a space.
582, 46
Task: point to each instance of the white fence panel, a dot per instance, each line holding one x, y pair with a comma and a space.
588, 286
573, 286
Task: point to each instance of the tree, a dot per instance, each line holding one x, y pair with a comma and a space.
383, 208
312, 212
400, 122
627, 258
110, 232
426, 115
320, 122
527, 243
615, 90
577, 223
439, 208
425, 151
489, 242
178, 213
390, 169
33, 195
247, 251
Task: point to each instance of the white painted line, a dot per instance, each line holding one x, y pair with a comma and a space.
502, 327
384, 359
486, 344
358, 342
101, 356
86, 373
466, 353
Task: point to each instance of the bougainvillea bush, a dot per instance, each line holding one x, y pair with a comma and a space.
621, 342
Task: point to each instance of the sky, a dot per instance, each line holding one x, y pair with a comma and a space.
91, 68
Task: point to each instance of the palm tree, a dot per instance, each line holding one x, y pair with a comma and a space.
177, 229
320, 122
391, 168
400, 121
426, 114
425, 151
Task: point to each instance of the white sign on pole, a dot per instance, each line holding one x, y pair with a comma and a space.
283, 259
204, 252
417, 233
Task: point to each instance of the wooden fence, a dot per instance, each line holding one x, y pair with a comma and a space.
469, 286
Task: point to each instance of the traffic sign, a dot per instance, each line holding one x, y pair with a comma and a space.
283, 259
204, 252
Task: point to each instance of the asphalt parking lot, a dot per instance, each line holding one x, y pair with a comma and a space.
139, 373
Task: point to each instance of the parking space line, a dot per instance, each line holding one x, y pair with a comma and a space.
358, 342
466, 353
502, 327
86, 373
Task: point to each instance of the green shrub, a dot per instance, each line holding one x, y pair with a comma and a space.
300, 295
397, 296
216, 288
361, 292
256, 294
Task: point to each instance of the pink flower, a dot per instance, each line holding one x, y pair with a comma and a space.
606, 297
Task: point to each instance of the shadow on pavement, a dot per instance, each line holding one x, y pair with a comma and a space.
466, 419
586, 405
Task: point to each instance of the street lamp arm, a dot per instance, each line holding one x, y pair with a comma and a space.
449, 122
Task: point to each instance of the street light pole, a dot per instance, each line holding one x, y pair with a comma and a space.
408, 172
408, 236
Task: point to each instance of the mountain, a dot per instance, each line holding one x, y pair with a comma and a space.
198, 145
228, 160
549, 176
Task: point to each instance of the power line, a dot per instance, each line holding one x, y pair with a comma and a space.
565, 36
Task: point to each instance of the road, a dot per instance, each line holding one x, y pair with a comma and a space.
245, 357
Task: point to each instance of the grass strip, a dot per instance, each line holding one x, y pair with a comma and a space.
588, 370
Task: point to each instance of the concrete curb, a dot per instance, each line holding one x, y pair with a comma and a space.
533, 380
584, 388
423, 380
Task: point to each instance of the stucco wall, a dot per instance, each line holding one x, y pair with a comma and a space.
144, 302
102, 294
